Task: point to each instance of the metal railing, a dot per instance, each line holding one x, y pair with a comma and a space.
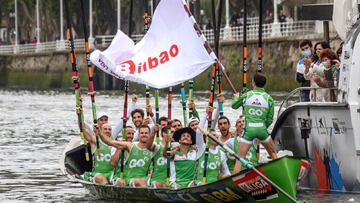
286, 102
277, 30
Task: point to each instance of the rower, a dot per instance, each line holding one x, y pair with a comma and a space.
217, 167
102, 170
184, 157
258, 108
138, 119
224, 127
158, 175
138, 160
233, 144
176, 124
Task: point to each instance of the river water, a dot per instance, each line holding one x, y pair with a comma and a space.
36, 126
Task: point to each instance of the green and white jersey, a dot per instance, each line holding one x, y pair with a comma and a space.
159, 170
258, 107
102, 161
216, 164
183, 165
233, 144
137, 164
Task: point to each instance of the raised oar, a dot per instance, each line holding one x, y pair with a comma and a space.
246, 163
183, 103
259, 65
168, 156
75, 78
126, 92
90, 75
157, 117
191, 87
218, 70
207, 46
122, 156
169, 103
244, 78
211, 103
147, 20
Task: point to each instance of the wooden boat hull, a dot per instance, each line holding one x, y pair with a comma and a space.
246, 186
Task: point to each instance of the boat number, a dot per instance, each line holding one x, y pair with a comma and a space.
255, 112
136, 163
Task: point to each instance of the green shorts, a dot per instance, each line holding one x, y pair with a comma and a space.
255, 130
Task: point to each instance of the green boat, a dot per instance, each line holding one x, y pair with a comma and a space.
246, 186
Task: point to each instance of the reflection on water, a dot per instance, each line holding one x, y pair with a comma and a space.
36, 126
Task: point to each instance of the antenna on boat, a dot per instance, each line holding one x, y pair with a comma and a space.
75, 79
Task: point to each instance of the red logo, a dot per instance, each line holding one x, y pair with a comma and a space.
151, 63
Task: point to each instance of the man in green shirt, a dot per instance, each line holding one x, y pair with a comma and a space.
158, 175
138, 160
102, 169
258, 109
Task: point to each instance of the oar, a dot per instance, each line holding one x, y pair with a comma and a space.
90, 75
122, 157
147, 19
157, 117
211, 103
191, 87
218, 71
183, 103
244, 77
208, 47
168, 156
246, 163
169, 103
75, 78
259, 65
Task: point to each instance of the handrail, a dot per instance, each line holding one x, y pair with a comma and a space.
297, 90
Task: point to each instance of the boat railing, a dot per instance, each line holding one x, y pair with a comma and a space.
296, 93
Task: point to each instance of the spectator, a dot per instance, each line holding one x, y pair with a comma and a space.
331, 64
282, 20
313, 70
235, 20
305, 48
268, 17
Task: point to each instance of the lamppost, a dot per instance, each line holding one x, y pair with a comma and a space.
227, 31
118, 14
16, 29
37, 23
275, 31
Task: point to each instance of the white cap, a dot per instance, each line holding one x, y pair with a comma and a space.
192, 119
101, 114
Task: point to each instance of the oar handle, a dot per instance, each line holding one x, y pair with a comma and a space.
246, 163
232, 87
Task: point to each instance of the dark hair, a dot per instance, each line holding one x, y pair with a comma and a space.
324, 45
339, 50
164, 129
145, 126
163, 118
305, 42
129, 126
176, 120
140, 111
259, 80
330, 54
224, 117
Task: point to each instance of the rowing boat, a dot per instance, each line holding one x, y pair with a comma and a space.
245, 186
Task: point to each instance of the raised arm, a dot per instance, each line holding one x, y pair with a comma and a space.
150, 143
114, 160
238, 100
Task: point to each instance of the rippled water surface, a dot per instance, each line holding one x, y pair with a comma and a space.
36, 126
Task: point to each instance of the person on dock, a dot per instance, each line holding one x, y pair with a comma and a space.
217, 167
102, 168
158, 174
138, 160
258, 109
233, 143
305, 48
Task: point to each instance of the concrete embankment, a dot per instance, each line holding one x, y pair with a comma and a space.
53, 70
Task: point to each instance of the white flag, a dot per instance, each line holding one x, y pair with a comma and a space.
171, 52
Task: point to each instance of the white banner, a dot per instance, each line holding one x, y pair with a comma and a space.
171, 52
